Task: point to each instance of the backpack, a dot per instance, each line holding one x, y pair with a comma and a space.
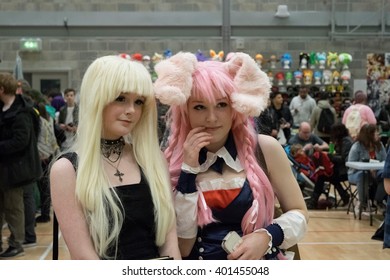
353, 121
325, 121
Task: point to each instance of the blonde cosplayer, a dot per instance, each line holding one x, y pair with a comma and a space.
103, 82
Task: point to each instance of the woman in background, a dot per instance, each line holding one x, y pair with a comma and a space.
367, 147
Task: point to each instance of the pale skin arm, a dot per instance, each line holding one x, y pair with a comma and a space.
286, 188
170, 247
322, 147
69, 212
387, 185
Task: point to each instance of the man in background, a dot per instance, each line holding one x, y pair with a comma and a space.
68, 117
20, 165
302, 106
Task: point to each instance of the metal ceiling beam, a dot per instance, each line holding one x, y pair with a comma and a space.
194, 24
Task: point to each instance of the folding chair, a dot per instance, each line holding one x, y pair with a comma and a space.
353, 194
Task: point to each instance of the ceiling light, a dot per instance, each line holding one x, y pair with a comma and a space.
282, 12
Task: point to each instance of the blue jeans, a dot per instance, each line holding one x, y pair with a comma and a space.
357, 178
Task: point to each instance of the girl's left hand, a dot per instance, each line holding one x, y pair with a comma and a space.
253, 247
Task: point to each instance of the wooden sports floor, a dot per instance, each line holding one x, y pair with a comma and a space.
332, 235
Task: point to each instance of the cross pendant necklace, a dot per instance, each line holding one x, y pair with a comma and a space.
119, 174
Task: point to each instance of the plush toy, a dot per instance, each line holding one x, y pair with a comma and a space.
271, 77
272, 60
136, 57
146, 62
336, 77
345, 59
200, 56
345, 76
259, 60
327, 77
125, 56
312, 60
288, 78
167, 53
332, 60
298, 77
286, 61
321, 58
303, 60
307, 76
217, 56
156, 58
317, 78
280, 78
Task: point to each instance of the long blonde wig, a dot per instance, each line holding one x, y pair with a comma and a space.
102, 83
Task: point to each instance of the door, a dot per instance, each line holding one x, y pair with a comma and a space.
50, 81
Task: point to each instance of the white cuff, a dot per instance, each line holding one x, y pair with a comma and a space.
186, 208
294, 226
189, 169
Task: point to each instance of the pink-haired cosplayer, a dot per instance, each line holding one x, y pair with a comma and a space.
221, 187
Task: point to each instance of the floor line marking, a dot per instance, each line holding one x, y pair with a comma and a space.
49, 249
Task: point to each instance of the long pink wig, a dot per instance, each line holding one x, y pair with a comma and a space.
247, 88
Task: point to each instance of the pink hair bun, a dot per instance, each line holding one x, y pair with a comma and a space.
174, 83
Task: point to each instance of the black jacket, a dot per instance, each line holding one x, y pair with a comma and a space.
19, 157
281, 116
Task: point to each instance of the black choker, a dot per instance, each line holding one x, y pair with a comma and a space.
112, 149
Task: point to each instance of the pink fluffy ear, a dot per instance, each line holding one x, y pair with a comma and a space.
174, 82
252, 85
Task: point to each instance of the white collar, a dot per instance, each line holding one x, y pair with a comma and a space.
222, 153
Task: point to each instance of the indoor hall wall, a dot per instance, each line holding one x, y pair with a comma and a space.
76, 53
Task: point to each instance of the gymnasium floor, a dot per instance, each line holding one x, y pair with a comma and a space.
332, 235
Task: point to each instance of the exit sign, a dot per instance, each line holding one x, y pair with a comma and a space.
30, 44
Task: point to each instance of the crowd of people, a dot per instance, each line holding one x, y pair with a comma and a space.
136, 169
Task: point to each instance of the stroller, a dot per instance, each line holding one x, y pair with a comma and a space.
300, 172
308, 170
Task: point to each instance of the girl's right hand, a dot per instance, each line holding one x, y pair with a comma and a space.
196, 139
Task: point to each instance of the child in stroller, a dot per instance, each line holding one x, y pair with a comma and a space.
317, 168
